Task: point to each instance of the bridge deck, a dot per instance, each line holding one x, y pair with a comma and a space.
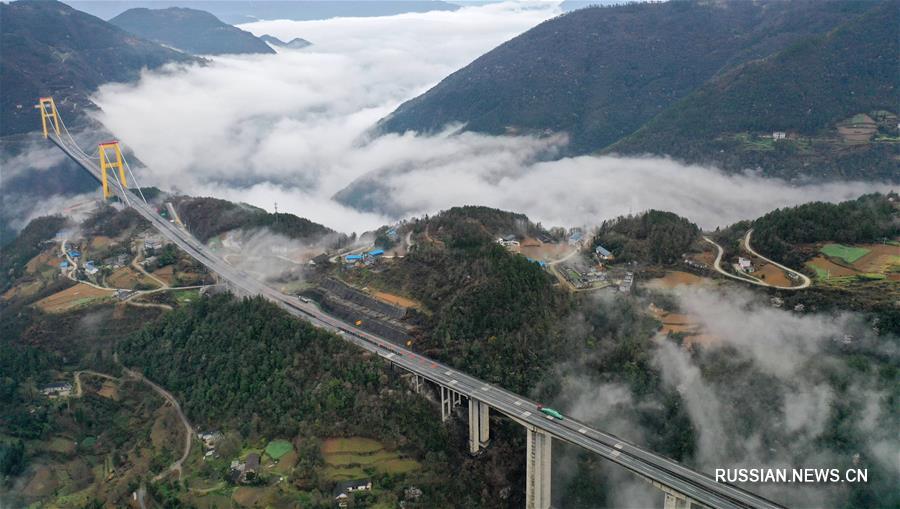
695, 485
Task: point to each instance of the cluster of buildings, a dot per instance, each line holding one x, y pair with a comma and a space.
365, 259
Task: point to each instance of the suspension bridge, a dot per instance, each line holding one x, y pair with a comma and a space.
681, 486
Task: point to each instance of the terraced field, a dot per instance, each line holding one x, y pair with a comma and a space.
357, 457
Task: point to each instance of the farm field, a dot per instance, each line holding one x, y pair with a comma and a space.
350, 458
871, 261
847, 253
396, 299
72, 297
773, 275
129, 278
533, 248
165, 274
676, 278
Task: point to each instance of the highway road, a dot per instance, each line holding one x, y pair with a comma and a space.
698, 486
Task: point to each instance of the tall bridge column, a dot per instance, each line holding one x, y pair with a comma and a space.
479, 425
674, 499
537, 478
446, 403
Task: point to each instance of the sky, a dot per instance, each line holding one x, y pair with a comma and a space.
295, 128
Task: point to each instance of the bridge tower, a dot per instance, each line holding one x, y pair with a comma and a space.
48, 113
114, 163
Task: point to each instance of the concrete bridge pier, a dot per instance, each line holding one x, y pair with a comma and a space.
675, 500
449, 399
537, 478
479, 425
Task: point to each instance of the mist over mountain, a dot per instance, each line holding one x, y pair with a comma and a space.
295, 43
243, 11
600, 73
49, 48
189, 30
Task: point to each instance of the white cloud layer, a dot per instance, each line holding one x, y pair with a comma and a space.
292, 128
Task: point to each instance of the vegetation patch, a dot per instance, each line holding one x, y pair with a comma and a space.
847, 253
278, 448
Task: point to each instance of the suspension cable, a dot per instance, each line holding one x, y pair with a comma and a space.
134, 178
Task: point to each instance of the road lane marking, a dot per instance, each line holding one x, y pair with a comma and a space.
526, 414
550, 417
389, 355
453, 382
485, 388
448, 372
518, 403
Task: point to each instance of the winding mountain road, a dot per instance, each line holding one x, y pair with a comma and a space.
805, 281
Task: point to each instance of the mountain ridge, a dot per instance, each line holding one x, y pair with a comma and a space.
601, 73
190, 30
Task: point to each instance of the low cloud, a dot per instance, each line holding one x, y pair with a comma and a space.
776, 390
294, 128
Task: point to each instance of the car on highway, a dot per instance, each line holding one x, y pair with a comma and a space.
549, 411
303, 299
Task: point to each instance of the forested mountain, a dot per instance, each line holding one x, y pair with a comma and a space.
248, 11
804, 90
190, 30
208, 217
655, 236
484, 308
49, 48
600, 73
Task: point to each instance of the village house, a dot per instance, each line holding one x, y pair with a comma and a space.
344, 489
745, 265
244, 472
576, 235
152, 243
602, 253
57, 390
209, 438
508, 241
779, 135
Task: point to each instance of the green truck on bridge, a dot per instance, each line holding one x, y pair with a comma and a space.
551, 412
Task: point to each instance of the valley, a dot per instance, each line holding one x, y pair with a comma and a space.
491, 255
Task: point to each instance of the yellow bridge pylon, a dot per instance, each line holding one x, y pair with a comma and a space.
48, 113
111, 163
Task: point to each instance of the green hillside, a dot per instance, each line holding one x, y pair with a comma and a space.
804, 91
